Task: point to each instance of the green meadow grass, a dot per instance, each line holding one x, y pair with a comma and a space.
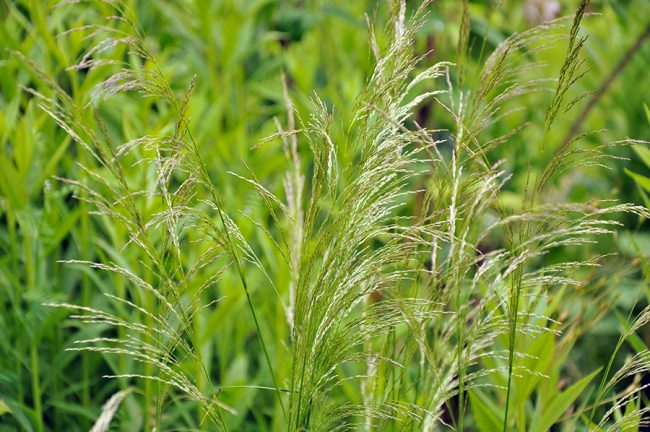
323, 215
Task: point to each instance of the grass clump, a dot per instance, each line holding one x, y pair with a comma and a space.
387, 284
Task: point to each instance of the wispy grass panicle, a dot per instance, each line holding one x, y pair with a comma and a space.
410, 296
166, 299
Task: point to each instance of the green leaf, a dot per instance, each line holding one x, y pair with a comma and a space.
642, 181
561, 403
632, 418
634, 243
591, 426
541, 353
644, 195
4, 408
643, 152
484, 412
19, 412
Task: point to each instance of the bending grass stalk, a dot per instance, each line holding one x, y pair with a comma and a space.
240, 270
601, 387
86, 293
458, 288
217, 200
566, 79
302, 381
148, 384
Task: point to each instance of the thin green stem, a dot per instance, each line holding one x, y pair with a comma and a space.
33, 352
619, 344
516, 287
86, 291
36, 387
459, 360
240, 270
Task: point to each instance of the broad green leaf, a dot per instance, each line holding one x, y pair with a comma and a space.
552, 413
643, 152
641, 180
484, 412
10, 184
541, 353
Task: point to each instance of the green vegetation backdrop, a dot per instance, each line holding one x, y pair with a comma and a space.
356, 217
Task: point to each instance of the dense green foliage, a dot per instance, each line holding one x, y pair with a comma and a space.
324, 215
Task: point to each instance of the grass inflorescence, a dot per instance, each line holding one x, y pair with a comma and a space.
383, 283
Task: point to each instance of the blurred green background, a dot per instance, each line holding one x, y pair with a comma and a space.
238, 49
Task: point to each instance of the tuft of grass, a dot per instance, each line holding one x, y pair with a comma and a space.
387, 285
